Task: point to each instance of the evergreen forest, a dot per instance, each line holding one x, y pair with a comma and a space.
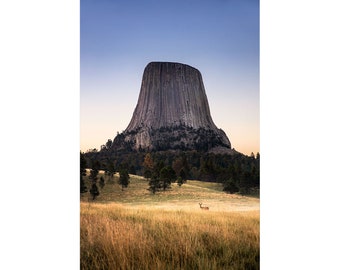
237, 173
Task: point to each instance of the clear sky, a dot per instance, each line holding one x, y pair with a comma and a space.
119, 38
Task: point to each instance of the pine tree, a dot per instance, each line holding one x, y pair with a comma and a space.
94, 191
183, 175
124, 178
101, 182
83, 188
154, 183
111, 169
167, 175
180, 181
94, 175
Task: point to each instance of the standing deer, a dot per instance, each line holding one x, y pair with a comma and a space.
203, 207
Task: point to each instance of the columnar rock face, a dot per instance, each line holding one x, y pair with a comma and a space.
172, 112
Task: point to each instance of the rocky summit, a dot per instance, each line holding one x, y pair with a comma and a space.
172, 113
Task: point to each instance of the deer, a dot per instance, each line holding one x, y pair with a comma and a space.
203, 207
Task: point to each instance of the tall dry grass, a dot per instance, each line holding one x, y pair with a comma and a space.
117, 237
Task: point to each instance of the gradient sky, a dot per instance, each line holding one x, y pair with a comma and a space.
119, 38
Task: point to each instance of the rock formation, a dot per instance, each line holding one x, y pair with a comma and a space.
172, 113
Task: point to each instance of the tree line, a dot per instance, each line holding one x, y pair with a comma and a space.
161, 176
237, 173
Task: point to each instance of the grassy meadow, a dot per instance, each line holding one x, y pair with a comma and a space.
134, 229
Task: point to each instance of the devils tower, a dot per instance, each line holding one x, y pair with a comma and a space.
172, 113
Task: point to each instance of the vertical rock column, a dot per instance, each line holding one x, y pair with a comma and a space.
172, 97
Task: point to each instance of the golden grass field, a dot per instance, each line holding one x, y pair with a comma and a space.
134, 229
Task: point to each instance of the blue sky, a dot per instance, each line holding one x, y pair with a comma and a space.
119, 38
